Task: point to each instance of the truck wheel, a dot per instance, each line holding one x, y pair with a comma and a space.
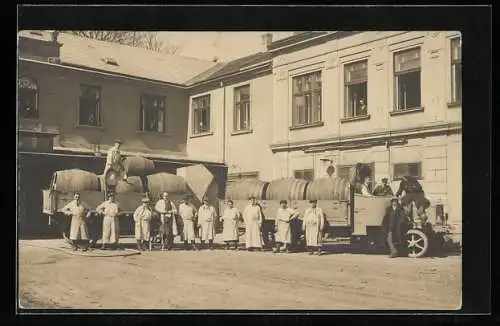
417, 243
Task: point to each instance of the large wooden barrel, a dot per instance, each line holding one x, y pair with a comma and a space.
328, 189
171, 183
243, 189
287, 188
133, 184
138, 166
74, 180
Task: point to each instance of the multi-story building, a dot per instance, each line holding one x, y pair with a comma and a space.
76, 95
391, 100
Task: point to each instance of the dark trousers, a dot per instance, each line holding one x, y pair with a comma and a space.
166, 232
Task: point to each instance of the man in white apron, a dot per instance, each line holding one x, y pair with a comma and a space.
188, 215
168, 227
313, 226
142, 220
252, 215
230, 219
284, 216
78, 230
206, 222
114, 161
110, 223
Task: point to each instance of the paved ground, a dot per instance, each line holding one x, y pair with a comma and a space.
51, 278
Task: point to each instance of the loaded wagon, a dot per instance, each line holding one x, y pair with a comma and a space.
348, 214
142, 180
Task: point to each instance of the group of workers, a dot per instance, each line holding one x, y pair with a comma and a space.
164, 221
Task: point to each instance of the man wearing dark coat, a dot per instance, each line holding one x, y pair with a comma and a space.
413, 192
392, 223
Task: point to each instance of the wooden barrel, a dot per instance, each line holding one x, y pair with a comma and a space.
243, 189
329, 189
171, 183
74, 180
133, 184
287, 188
138, 166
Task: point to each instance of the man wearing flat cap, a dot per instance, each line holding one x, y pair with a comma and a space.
383, 189
206, 223
188, 215
252, 216
114, 160
313, 226
393, 219
142, 220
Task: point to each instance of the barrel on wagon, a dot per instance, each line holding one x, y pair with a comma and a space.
75, 180
287, 188
138, 166
244, 189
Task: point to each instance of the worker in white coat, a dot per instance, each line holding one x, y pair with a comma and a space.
313, 225
252, 216
284, 215
142, 220
206, 223
114, 160
168, 227
78, 230
230, 219
110, 224
188, 215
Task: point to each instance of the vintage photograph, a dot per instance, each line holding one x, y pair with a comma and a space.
239, 170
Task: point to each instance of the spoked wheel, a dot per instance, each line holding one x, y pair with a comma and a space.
417, 243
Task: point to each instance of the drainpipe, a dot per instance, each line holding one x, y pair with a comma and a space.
223, 123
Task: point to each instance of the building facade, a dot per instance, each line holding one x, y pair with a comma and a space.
76, 96
391, 100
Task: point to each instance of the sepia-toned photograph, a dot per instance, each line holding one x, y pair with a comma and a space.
234, 170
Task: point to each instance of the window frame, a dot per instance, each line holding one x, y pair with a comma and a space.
303, 171
349, 84
79, 123
36, 92
397, 74
339, 167
454, 98
395, 177
195, 129
295, 119
237, 109
165, 115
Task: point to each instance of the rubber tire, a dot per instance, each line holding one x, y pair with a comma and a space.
425, 239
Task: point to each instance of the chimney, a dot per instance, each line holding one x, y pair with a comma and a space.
267, 39
55, 35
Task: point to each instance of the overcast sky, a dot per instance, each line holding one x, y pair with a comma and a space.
225, 45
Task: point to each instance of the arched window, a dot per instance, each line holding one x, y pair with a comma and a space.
27, 104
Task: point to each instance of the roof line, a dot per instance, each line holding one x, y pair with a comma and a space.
309, 39
102, 72
231, 74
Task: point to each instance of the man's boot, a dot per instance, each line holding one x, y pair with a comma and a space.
235, 245
211, 244
74, 245
85, 245
139, 245
311, 250
186, 245
193, 245
319, 251
104, 246
202, 246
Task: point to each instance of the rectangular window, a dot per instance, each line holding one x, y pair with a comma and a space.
407, 79
407, 169
152, 113
201, 114
456, 70
306, 101
307, 174
89, 106
355, 83
242, 108
27, 96
344, 171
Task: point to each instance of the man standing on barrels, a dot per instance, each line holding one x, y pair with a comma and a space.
110, 224
166, 208
114, 160
284, 216
206, 223
313, 225
142, 219
78, 231
252, 215
188, 215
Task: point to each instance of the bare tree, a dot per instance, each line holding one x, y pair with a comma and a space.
146, 40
